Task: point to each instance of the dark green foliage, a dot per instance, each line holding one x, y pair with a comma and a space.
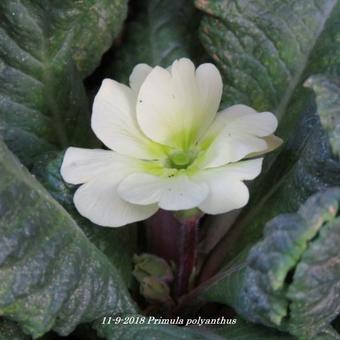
327, 90
118, 244
10, 331
43, 47
51, 275
161, 32
264, 47
289, 279
306, 166
58, 270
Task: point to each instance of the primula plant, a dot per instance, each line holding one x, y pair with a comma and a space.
169, 148
169, 169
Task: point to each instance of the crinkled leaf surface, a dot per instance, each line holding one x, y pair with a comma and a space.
161, 32
263, 48
36, 118
51, 276
305, 166
315, 291
56, 31
244, 330
42, 102
265, 51
291, 278
327, 90
118, 244
10, 331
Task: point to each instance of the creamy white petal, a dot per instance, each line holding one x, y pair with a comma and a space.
81, 165
210, 87
175, 106
176, 193
259, 124
114, 121
232, 148
237, 132
99, 201
273, 142
233, 112
245, 119
138, 75
226, 189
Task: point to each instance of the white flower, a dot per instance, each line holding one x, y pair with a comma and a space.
170, 149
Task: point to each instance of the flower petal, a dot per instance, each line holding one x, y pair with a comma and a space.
226, 189
232, 148
81, 165
273, 142
176, 193
237, 132
245, 119
210, 87
114, 121
174, 106
99, 201
138, 75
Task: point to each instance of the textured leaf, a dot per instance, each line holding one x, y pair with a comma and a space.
42, 102
315, 291
327, 91
310, 167
118, 244
291, 278
305, 166
161, 32
10, 331
264, 48
55, 31
51, 276
244, 330
31, 124
328, 334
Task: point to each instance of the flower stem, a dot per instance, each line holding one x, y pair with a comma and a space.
173, 236
187, 255
162, 235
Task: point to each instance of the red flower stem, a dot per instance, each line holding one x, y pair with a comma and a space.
187, 254
173, 236
162, 235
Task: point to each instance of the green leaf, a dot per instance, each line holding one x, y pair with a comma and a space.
315, 291
265, 48
42, 101
42, 117
327, 91
10, 331
161, 32
244, 330
265, 51
52, 32
305, 166
51, 275
328, 334
118, 244
289, 279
